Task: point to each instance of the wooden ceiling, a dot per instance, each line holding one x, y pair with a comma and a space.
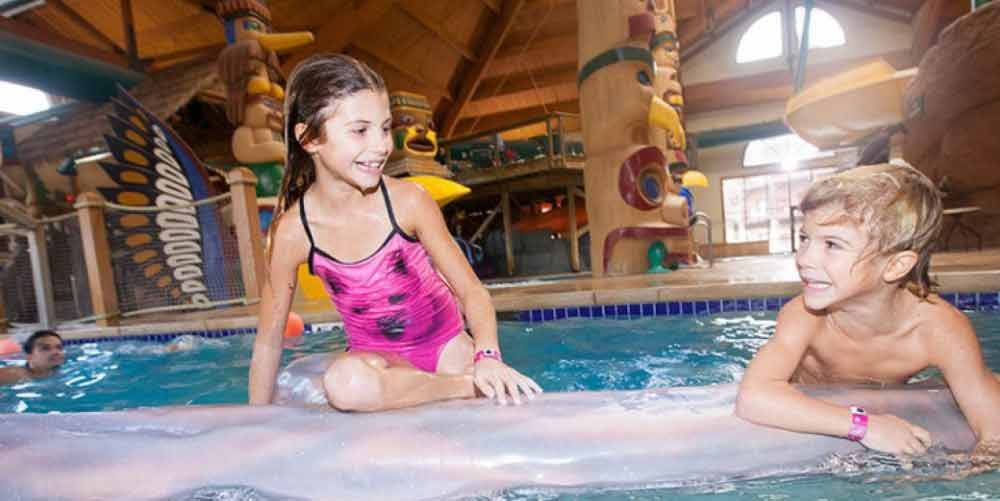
482, 63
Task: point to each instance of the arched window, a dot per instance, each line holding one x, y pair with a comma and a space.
787, 151
762, 40
21, 100
824, 30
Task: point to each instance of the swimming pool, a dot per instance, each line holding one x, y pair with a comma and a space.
565, 355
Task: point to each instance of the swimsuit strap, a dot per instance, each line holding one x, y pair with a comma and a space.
305, 225
388, 207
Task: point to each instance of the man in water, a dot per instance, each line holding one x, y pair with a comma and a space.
44, 352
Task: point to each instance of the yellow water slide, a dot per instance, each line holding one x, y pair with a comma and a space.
849, 106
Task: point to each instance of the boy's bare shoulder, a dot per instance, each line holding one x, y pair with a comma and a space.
940, 320
795, 319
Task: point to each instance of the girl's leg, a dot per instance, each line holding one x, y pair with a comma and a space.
367, 382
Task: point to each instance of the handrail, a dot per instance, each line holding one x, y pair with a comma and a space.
515, 125
704, 220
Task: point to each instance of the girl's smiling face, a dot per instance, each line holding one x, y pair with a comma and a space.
835, 261
355, 142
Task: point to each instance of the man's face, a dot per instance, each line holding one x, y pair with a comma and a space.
47, 354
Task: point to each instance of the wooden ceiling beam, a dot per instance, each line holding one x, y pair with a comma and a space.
339, 32
207, 6
380, 63
421, 18
708, 35
771, 86
498, 120
202, 50
87, 26
524, 81
872, 9
488, 50
46, 37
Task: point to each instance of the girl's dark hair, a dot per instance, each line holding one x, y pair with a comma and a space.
314, 87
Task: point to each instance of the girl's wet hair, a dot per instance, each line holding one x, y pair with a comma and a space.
314, 88
896, 205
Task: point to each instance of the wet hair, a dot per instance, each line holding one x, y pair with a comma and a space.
314, 88
29, 344
896, 205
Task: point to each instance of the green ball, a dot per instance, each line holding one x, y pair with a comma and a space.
656, 253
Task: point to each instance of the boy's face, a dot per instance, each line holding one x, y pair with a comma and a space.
47, 354
834, 260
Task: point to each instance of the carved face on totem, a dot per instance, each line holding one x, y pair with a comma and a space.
412, 125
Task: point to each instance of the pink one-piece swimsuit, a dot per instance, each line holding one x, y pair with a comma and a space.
393, 301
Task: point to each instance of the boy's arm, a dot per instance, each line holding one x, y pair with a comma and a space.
955, 350
11, 375
766, 397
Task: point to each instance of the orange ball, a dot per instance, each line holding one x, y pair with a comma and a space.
8, 346
294, 326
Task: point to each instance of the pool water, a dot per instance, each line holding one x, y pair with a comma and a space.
566, 355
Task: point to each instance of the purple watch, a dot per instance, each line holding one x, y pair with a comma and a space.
859, 424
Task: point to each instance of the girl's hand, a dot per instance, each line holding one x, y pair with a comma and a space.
888, 433
497, 380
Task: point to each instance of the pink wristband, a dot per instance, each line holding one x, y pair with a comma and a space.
487, 353
859, 424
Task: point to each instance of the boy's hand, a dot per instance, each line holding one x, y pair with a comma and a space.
888, 433
496, 380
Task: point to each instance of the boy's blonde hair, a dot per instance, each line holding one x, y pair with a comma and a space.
897, 206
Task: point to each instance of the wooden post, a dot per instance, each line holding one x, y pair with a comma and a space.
574, 238
242, 186
507, 231
3, 317
97, 254
41, 276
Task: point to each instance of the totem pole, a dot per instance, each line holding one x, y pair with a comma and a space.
412, 126
249, 68
667, 53
621, 107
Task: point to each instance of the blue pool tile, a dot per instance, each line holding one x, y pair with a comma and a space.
742, 305
536, 315
597, 311
989, 301
951, 298
524, 316
634, 310
966, 301
661, 309
675, 307
548, 314
585, 311
715, 306
572, 312
785, 301
647, 309
687, 308
773, 303
728, 305
758, 304
701, 307
560, 313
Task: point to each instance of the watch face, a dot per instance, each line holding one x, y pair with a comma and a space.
857, 410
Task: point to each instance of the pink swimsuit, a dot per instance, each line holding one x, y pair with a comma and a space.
392, 301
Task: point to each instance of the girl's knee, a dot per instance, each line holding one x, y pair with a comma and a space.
353, 384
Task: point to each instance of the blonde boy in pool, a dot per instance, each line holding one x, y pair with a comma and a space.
867, 315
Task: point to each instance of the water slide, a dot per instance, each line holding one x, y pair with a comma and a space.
620, 438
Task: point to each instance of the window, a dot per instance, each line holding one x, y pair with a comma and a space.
756, 208
21, 100
764, 39
824, 30
788, 151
